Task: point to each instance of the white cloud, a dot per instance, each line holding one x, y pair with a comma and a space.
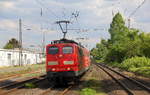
7, 4
92, 14
51, 32
8, 25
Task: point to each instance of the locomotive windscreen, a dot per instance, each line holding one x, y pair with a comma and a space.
67, 49
53, 50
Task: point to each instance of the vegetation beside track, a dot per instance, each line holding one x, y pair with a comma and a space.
30, 85
92, 87
138, 65
127, 48
19, 70
92, 84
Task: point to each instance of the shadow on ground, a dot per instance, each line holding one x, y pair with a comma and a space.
106, 85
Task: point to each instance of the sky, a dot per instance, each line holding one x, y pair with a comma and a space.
93, 20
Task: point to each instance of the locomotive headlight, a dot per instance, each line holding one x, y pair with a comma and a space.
52, 63
68, 68
68, 62
53, 69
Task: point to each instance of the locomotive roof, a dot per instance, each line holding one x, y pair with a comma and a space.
65, 41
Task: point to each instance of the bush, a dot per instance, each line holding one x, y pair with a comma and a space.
114, 64
145, 71
139, 65
135, 62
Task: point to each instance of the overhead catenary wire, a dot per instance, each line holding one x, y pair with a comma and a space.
49, 10
41, 14
76, 15
64, 13
129, 21
137, 8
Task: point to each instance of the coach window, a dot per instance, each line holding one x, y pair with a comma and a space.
53, 50
67, 49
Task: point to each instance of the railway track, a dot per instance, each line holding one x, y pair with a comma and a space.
66, 90
18, 75
63, 92
131, 86
19, 87
7, 89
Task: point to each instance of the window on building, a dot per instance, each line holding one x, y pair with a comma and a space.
9, 56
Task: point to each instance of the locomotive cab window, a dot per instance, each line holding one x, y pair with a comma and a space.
53, 50
67, 49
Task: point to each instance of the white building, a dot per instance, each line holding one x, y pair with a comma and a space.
9, 57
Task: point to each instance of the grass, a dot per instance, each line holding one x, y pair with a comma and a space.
30, 85
34, 74
92, 87
88, 91
10, 71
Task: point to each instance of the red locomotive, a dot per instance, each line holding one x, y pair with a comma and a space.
66, 60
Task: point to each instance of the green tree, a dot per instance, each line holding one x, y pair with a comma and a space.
99, 53
118, 30
145, 45
133, 34
11, 44
123, 44
119, 36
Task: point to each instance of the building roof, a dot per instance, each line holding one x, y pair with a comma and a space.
17, 50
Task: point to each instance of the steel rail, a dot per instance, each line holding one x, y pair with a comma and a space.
21, 84
47, 91
132, 80
139, 84
63, 92
66, 90
120, 83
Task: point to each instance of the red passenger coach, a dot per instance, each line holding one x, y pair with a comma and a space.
66, 60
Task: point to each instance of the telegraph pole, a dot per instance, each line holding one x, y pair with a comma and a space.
20, 42
43, 36
43, 43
